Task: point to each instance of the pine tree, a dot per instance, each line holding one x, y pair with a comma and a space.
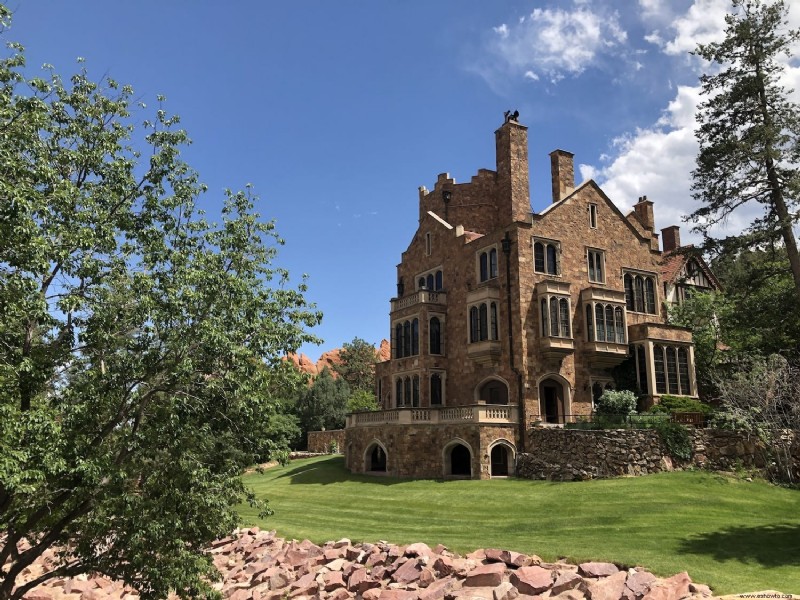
749, 133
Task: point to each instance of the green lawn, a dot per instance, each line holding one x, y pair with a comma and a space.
734, 535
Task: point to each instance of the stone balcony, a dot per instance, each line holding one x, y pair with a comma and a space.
502, 414
556, 347
606, 354
419, 297
486, 352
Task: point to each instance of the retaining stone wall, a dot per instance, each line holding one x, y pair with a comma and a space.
320, 441
566, 454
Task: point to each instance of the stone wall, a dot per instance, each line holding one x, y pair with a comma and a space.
565, 454
320, 441
422, 451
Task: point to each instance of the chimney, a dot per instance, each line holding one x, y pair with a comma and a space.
671, 238
644, 212
562, 174
513, 188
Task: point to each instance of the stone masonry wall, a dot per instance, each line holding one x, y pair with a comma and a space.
320, 441
564, 454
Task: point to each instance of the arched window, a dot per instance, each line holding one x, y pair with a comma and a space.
484, 322
610, 330
629, 302
398, 392
407, 338
589, 323
421, 283
429, 281
552, 261
638, 293
484, 266
538, 257
649, 296
641, 368
414, 337
672, 370
554, 316
619, 321
398, 341
492, 263
545, 320
474, 325
407, 391
438, 282
415, 391
435, 336
600, 322
493, 321
436, 389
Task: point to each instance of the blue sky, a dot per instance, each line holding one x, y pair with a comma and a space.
337, 112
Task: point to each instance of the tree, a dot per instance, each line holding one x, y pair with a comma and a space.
357, 365
361, 400
140, 344
749, 133
324, 404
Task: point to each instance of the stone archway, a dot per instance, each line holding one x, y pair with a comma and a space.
492, 391
553, 399
501, 458
458, 459
375, 457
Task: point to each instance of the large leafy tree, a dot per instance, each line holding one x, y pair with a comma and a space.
357, 365
324, 404
140, 344
749, 132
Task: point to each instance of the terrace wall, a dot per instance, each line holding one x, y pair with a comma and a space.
320, 441
565, 454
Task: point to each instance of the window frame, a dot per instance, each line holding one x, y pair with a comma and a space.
600, 256
486, 264
644, 297
593, 215
483, 322
436, 273
546, 244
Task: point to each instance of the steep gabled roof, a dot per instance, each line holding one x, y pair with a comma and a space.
673, 262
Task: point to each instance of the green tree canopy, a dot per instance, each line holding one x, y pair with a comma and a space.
357, 365
140, 344
324, 404
749, 132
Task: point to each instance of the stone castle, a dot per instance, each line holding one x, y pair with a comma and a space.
506, 319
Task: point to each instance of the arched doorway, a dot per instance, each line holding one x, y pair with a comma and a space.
499, 461
493, 391
457, 459
375, 458
551, 401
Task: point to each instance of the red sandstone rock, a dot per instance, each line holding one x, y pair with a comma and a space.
407, 572
490, 575
608, 588
673, 588
332, 581
398, 595
505, 591
473, 593
418, 549
568, 580
597, 569
532, 580
438, 589
699, 588
341, 594
639, 582
443, 566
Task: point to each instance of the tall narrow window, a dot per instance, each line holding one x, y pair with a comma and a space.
641, 366
538, 257
429, 281
638, 293
435, 336
610, 329
563, 310
484, 322
554, 316
661, 377
600, 322
398, 392
428, 245
672, 371
438, 282
474, 325
415, 391
407, 391
619, 322
545, 320
414, 337
552, 260
493, 321
593, 216
407, 338
483, 261
492, 263
683, 371
649, 296
436, 389
589, 323
398, 341
629, 301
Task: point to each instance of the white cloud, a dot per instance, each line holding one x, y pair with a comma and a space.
556, 43
704, 22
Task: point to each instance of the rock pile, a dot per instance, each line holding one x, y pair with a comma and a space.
258, 565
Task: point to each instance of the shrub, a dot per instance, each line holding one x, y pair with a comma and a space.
616, 402
676, 438
679, 404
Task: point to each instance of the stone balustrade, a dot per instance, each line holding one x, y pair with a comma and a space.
476, 413
419, 297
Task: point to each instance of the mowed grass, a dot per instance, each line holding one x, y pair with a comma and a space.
733, 535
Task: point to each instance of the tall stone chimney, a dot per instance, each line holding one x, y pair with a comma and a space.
644, 212
562, 174
671, 238
513, 187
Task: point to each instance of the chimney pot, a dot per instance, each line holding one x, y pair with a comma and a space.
671, 238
